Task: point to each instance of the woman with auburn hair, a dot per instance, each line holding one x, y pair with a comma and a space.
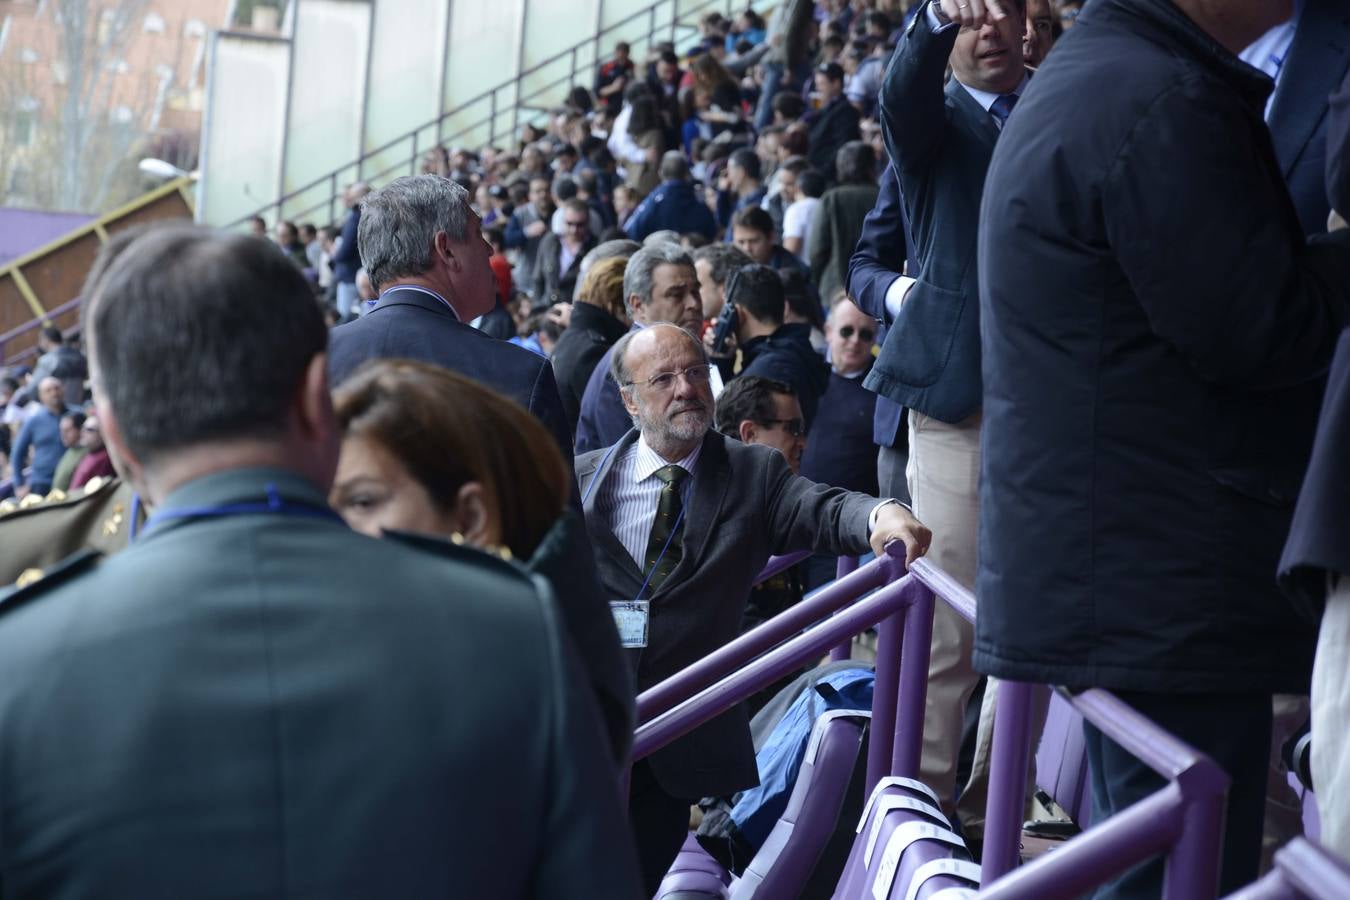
428, 451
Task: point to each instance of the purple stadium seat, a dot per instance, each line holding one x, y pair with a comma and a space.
896, 805
694, 876
1061, 762
935, 876
790, 853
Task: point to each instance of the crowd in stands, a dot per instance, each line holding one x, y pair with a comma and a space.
759, 288
775, 114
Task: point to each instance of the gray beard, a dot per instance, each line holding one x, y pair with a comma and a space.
673, 439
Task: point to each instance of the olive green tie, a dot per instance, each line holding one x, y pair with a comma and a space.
667, 530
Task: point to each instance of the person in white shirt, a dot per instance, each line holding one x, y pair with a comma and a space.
801, 212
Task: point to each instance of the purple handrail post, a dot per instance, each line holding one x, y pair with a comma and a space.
885, 693
1008, 763
914, 658
1193, 865
846, 565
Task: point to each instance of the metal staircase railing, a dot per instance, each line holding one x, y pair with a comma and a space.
662, 20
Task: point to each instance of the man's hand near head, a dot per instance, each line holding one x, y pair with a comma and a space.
896, 523
970, 13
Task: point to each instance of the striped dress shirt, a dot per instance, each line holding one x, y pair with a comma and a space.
630, 493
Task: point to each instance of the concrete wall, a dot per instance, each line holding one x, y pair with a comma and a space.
352, 76
244, 125
329, 49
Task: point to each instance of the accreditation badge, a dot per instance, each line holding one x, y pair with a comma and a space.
631, 620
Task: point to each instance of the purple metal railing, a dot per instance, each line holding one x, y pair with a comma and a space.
28, 326
847, 565
732, 656
1303, 871
1184, 820
902, 608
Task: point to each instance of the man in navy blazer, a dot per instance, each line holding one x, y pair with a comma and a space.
1308, 57
347, 260
940, 140
422, 247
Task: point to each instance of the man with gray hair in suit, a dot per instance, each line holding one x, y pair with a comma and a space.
653, 501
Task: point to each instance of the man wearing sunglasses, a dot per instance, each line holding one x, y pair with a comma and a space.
756, 410
841, 451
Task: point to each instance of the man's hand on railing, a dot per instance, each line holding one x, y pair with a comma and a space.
896, 523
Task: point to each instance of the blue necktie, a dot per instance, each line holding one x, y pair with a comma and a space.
1002, 107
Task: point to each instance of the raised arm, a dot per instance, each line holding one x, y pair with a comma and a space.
912, 102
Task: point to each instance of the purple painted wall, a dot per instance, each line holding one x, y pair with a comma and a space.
24, 230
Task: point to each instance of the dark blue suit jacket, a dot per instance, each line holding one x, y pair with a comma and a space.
940, 142
414, 325
877, 261
604, 419
672, 206
1319, 538
347, 260
1316, 63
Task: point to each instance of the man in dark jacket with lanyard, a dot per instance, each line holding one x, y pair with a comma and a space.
680, 588
271, 701
1147, 414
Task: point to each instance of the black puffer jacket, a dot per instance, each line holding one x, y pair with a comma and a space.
590, 333
1154, 331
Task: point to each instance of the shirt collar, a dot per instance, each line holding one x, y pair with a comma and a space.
428, 291
648, 460
986, 99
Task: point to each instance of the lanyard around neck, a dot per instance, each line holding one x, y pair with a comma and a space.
660, 556
273, 505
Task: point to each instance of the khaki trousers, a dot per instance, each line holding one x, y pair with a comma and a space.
943, 475
944, 478
975, 794
1331, 720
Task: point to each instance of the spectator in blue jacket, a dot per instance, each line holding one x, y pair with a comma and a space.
673, 206
347, 260
42, 433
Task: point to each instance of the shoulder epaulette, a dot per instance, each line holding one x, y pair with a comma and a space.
32, 582
97, 486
